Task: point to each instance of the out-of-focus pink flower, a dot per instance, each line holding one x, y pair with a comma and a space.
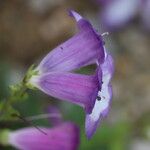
63, 137
117, 13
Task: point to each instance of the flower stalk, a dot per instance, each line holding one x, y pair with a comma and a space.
17, 92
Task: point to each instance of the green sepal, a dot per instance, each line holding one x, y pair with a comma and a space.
31, 72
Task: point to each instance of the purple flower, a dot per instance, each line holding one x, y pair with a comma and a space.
84, 48
117, 13
88, 91
63, 137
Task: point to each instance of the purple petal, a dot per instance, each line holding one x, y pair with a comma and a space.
74, 14
102, 104
75, 88
119, 12
64, 137
82, 49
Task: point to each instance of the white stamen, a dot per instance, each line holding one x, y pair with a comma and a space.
105, 33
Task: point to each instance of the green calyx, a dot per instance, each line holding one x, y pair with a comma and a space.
19, 91
4, 135
31, 72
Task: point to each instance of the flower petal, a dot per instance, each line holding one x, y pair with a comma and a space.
74, 14
118, 12
65, 136
82, 49
103, 100
75, 88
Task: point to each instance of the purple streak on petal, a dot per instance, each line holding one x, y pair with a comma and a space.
80, 50
65, 136
101, 107
75, 88
54, 120
118, 13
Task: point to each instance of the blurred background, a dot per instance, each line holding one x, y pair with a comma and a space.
29, 29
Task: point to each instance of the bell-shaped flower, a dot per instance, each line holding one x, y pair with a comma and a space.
62, 137
84, 48
56, 79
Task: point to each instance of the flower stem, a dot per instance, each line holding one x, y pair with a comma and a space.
18, 92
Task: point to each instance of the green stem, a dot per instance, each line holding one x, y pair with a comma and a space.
17, 92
